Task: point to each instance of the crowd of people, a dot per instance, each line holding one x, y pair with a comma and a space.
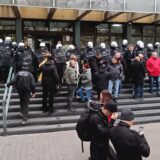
93, 68
101, 68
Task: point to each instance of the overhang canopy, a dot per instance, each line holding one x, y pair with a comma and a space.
127, 11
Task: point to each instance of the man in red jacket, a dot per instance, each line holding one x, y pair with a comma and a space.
153, 68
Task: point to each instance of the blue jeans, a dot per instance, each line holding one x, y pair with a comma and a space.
152, 79
86, 95
114, 84
138, 90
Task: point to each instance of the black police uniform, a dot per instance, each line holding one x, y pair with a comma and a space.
60, 59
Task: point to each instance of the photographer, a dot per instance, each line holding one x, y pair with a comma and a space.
129, 144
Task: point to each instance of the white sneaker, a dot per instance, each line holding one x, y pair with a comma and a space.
24, 122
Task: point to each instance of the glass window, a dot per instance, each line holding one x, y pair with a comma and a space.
101, 39
116, 28
157, 30
82, 4
148, 40
35, 26
135, 39
102, 28
136, 30
85, 39
111, 5
44, 3
61, 26
140, 6
118, 39
149, 30
5, 1
7, 25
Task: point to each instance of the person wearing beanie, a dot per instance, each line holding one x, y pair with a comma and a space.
25, 84
99, 147
129, 144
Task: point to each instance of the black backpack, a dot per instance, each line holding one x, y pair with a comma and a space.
83, 128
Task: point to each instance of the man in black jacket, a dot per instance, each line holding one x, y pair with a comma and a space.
99, 124
50, 80
129, 144
25, 84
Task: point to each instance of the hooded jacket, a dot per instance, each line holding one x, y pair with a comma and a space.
153, 66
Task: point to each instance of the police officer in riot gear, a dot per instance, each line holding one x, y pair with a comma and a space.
157, 47
114, 48
7, 58
70, 51
19, 57
124, 46
25, 84
89, 56
60, 60
14, 52
28, 55
149, 50
38, 58
102, 54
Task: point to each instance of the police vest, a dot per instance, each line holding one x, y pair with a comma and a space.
89, 54
60, 56
6, 56
27, 56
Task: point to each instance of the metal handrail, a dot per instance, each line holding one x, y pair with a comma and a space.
4, 102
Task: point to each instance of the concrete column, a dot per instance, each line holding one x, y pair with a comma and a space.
77, 33
19, 31
129, 32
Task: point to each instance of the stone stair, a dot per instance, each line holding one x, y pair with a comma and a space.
146, 111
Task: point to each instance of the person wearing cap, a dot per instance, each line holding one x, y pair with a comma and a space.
99, 125
86, 84
129, 144
25, 84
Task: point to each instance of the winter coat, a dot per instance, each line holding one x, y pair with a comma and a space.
128, 144
100, 148
101, 79
153, 66
128, 56
86, 79
117, 71
50, 76
137, 72
24, 81
71, 76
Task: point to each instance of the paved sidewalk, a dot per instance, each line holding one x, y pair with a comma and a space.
62, 145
